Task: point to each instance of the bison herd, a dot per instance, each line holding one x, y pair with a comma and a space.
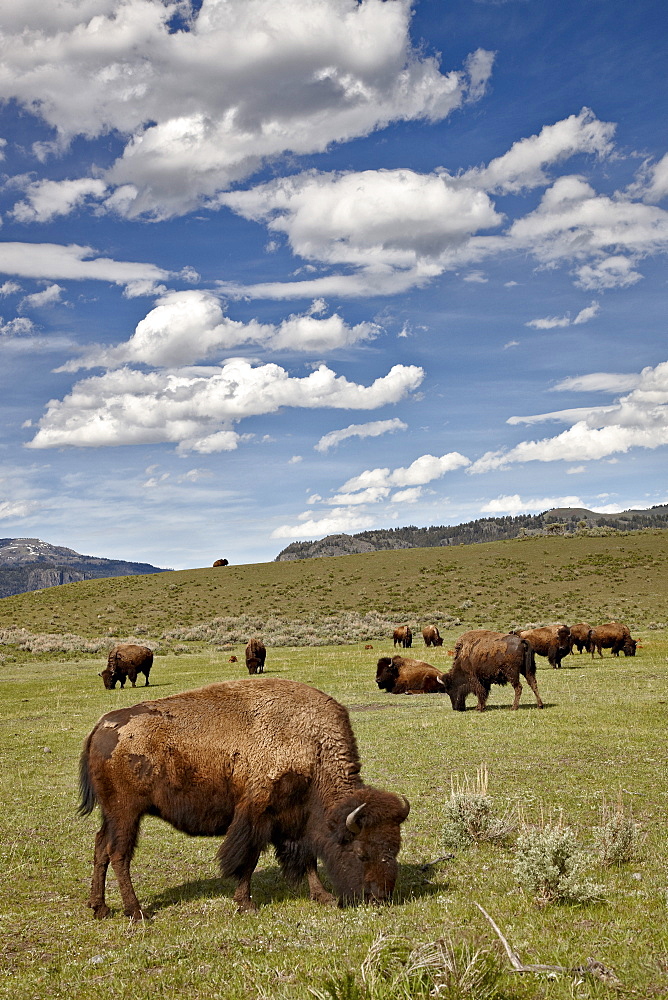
275, 761
483, 657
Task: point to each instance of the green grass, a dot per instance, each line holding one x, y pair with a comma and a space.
602, 733
497, 584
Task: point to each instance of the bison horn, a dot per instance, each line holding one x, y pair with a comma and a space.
351, 819
407, 807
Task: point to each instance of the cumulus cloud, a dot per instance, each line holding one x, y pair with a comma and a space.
78, 263
10, 509
373, 429
550, 322
20, 326
189, 326
9, 288
47, 199
41, 300
607, 272
340, 520
513, 505
196, 408
202, 108
636, 420
423, 470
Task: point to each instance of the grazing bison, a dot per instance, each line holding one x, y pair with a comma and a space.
221, 562
256, 654
553, 641
401, 675
614, 637
483, 658
127, 660
580, 637
270, 761
403, 636
431, 636
232, 659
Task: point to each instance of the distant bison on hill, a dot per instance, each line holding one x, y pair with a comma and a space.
256, 654
401, 675
483, 658
431, 636
221, 562
403, 636
127, 660
613, 636
262, 762
553, 641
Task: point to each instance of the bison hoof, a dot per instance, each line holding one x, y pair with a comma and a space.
100, 910
325, 898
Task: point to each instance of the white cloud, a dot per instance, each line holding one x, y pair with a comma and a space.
511, 343
340, 520
411, 495
423, 470
21, 326
372, 494
41, 300
373, 429
9, 288
47, 199
10, 509
576, 470
607, 272
637, 420
250, 80
599, 382
195, 407
550, 322
189, 326
513, 505
78, 263
476, 277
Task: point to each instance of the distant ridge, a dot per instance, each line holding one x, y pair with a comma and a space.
559, 520
31, 564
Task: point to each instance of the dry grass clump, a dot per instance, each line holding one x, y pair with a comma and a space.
470, 814
550, 863
618, 837
52, 642
392, 970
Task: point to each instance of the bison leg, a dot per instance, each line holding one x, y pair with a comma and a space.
316, 889
100, 864
518, 694
120, 855
531, 678
298, 860
481, 693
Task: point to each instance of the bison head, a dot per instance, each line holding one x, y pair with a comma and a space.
629, 647
386, 673
363, 842
108, 678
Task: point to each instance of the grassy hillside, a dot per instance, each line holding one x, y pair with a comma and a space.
498, 584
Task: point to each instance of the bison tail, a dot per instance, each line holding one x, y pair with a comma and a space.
87, 796
529, 658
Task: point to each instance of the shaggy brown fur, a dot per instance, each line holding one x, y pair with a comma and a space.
553, 641
262, 761
256, 654
483, 658
127, 660
431, 636
401, 675
580, 637
403, 636
613, 636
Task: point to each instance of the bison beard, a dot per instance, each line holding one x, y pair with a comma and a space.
262, 761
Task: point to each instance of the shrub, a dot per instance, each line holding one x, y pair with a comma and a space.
550, 864
618, 837
469, 814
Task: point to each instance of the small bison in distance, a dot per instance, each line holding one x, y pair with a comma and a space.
127, 660
268, 761
221, 562
580, 637
256, 654
483, 658
401, 675
553, 641
615, 637
403, 636
431, 636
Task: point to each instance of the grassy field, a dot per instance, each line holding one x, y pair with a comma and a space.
601, 737
598, 737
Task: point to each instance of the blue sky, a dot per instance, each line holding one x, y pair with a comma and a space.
276, 269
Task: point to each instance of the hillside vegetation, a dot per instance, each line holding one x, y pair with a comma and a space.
497, 584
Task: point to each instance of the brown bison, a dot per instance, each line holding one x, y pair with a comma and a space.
580, 637
553, 641
269, 761
221, 562
403, 636
232, 659
401, 675
483, 658
431, 636
615, 637
127, 660
256, 654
